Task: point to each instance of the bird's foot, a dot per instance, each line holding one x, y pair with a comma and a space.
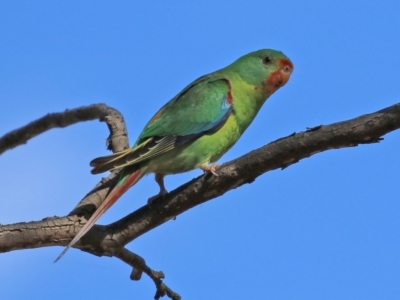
161, 194
207, 168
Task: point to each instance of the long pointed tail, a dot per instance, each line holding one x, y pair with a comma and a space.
114, 195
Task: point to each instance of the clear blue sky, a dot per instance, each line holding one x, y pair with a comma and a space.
325, 228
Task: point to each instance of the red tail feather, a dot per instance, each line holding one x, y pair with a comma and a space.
114, 195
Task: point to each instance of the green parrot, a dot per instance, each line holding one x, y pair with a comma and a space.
196, 127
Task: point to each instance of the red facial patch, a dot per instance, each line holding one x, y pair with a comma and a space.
273, 81
280, 77
286, 62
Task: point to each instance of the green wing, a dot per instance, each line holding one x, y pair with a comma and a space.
201, 108
198, 108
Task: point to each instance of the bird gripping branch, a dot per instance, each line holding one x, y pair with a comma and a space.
196, 127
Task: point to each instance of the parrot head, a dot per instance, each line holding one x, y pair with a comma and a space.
267, 70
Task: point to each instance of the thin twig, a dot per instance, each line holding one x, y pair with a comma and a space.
139, 265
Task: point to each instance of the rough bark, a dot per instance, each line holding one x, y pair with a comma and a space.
110, 240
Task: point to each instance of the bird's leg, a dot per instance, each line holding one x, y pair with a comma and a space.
207, 168
160, 180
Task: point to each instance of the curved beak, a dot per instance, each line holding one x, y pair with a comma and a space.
285, 71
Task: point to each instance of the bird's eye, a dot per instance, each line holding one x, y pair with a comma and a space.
266, 60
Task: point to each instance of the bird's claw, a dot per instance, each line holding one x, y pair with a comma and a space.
210, 168
161, 194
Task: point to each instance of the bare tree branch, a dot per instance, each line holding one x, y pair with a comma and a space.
111, 239
117, 140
